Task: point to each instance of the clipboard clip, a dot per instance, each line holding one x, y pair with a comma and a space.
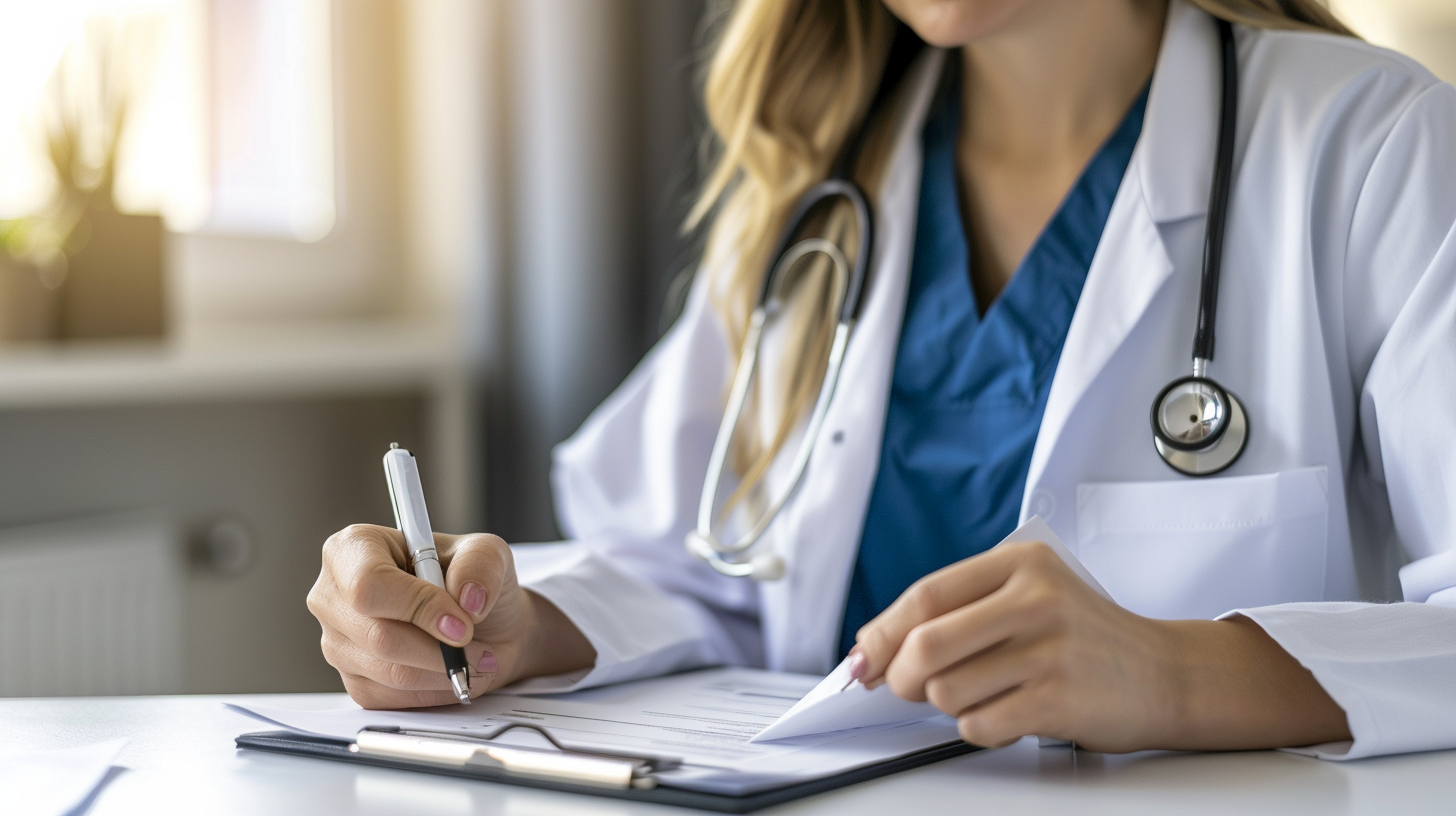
454, 749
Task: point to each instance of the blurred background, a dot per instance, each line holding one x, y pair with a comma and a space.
246, 244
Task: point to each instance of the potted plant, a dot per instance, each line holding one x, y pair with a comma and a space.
111, 283
32, 267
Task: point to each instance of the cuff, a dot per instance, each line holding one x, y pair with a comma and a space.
1387, 665
1357, 712
636, 629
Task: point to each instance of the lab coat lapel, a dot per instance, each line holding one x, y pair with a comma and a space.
1168, 181
819, 530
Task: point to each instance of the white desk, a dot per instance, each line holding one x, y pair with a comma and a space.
181, 760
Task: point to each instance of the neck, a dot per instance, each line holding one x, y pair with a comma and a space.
1060, 76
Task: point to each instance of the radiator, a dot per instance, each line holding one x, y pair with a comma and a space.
91, 607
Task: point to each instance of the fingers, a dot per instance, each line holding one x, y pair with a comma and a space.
373, 695
934, 595
477, 569
943, 642
364, 565
1028, 604
382, 627
977, 680
1002, 720
387, 642
350, 658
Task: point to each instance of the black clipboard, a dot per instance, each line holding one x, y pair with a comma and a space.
286, 742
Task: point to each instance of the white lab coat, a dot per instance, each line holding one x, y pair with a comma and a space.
1336, 328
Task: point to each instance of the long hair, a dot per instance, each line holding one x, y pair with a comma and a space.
788, 83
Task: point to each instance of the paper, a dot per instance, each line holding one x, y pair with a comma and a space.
1037, 530
54, 782
704, 718
736, 730
837, 703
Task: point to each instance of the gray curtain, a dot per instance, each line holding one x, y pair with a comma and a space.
600, 135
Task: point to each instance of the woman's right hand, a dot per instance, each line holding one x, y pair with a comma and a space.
382, 626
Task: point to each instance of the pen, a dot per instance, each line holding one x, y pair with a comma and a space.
403, 477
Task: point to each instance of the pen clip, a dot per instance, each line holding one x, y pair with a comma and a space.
393, 490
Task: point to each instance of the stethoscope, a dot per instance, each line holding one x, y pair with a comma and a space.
1199, 427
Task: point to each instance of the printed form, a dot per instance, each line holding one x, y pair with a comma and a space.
736, 730
705, 718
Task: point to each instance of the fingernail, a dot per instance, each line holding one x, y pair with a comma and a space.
858, 663
452, 627
472, 598
487, 663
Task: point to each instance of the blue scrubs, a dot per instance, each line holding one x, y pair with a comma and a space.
968, 391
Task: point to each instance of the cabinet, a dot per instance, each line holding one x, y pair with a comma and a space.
276, 431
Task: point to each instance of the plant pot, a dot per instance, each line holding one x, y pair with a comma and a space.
29, 310
113, 285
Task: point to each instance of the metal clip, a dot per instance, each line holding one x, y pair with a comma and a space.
459, 750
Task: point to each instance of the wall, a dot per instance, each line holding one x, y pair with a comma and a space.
294, 471
1423, 29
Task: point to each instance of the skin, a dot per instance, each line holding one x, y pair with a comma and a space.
1010, 642
382, 626
1044, 83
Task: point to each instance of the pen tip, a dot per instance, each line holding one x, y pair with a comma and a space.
460, 683
394, 446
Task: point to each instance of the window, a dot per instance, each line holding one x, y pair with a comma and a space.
230, 107
271, 122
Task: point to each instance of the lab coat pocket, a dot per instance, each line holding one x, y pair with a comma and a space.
1196, 548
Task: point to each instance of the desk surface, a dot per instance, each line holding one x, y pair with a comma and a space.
181, 760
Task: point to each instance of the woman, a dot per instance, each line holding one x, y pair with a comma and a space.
1041, 175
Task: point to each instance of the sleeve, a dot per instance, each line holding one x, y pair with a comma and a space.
1391, 666
626, 487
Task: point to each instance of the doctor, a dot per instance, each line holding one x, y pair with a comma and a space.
1040, 173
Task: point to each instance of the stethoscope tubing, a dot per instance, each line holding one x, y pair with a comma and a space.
1218, 197
850, 192
1212, 454
849, 290
1226, 442
738, 396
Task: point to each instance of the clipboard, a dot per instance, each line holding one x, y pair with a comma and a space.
614, 776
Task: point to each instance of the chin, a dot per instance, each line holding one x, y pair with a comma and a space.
953, 23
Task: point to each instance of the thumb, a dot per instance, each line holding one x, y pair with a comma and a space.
479, 569
377, 588
367, 565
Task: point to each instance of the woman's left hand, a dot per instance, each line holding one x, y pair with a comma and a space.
1012, 643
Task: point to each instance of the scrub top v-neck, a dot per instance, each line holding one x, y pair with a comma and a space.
968, 390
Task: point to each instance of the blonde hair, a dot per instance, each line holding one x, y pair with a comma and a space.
788, 83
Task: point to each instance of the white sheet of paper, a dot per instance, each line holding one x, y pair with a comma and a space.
704, 718
54, 782
836, 703
1037, 530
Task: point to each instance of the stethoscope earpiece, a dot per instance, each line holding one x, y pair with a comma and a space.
767, 567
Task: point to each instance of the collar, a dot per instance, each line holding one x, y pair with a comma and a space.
1177, 145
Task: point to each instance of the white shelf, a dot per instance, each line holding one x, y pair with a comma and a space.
251, 362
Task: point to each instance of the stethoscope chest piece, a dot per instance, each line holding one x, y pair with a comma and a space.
1199, 428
